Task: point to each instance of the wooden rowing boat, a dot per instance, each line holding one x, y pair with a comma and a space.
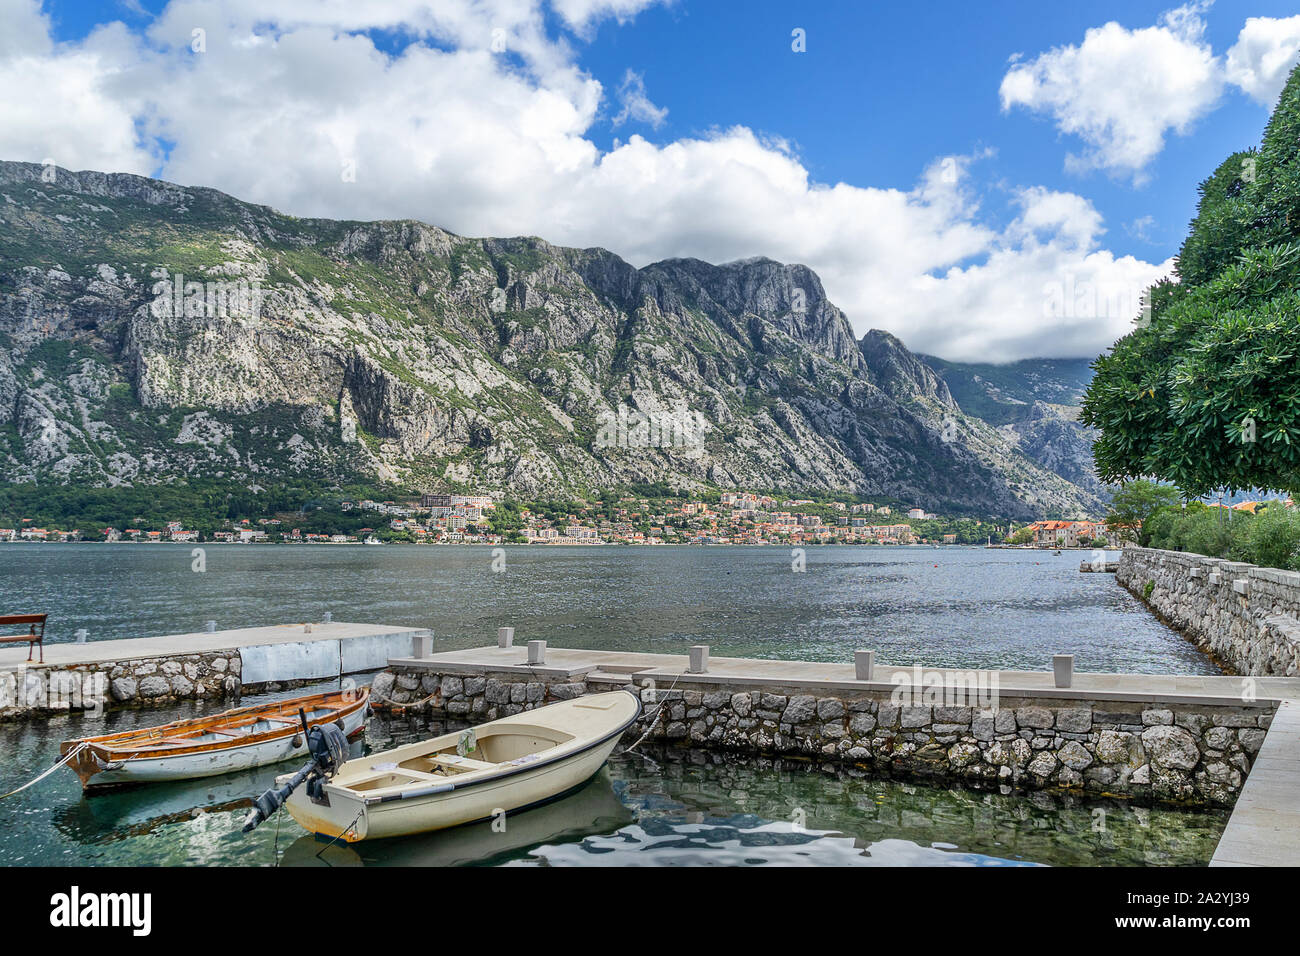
499, 767
206, 746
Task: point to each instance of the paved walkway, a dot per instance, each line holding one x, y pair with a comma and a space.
1264, 829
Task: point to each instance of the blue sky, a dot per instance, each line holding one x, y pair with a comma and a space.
882, 94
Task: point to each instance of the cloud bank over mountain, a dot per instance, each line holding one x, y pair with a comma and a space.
479, 117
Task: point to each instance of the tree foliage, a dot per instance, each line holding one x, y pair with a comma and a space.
1207, 393
1133, 505
1270, 538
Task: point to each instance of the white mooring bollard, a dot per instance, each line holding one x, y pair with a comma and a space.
699, 659
1063, 669
864, 664
505, 637
537, 652
422, 646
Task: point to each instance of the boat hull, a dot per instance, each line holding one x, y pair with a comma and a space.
440, 811
100, 766
352, 817
226, 760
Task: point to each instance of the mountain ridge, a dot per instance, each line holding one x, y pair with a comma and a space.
397, 351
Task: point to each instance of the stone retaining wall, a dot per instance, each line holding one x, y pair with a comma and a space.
144, 682
1247, 617
1198, 754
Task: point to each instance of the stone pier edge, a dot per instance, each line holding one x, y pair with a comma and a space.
1191, 746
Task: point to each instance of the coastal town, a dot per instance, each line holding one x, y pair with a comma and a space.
731, 517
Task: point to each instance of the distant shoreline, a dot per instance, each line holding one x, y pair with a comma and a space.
566, 544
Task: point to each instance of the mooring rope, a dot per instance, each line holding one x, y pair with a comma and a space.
67, 757
654, 720
415, 703
345, 832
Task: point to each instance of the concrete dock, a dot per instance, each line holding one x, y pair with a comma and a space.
336, 647
1263, 830
1076, 731
201, 664
620, 666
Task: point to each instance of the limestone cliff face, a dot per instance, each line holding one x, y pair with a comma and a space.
1035, 404
399, 351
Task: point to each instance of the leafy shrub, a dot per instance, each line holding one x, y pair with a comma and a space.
1275, 538
1207, 534
1270, 539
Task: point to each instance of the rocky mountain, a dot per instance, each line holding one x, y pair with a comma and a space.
151, 332
1036, 403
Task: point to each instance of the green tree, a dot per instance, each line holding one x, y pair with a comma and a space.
1274, 538
1133, 505
1206, 394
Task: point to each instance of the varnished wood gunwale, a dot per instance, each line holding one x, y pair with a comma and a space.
149, 741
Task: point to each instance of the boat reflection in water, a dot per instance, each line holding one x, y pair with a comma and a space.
593, 810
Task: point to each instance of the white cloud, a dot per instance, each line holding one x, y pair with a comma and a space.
492, 143
73, 104
581, 14
1265, 53
27, 30
1045, 287
1121, 91
637, 104
1140, 228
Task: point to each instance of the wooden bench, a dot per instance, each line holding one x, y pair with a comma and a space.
32, 638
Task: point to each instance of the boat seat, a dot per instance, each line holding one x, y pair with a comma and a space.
153, 744
468, 764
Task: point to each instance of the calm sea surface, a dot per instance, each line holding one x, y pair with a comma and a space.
969, 607
954, 606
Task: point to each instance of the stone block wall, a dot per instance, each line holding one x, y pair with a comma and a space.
470, 697
144, 682
1198, 754
1246, 617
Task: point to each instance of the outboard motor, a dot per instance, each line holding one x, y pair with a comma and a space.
328, 748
